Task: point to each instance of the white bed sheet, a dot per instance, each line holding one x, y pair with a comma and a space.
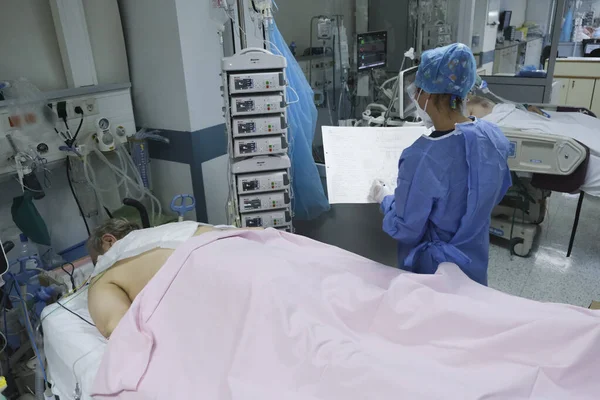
68, 339
578, 126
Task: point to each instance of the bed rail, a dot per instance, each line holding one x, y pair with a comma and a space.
566, 109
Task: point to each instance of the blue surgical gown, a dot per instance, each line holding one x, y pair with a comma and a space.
447, 189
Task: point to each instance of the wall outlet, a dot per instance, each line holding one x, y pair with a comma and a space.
89, 107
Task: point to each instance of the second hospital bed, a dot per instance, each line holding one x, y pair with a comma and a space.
576, 123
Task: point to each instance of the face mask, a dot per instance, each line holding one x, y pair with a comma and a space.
464, 109
422, 113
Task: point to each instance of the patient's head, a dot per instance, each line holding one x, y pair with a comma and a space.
479, 107
107, 234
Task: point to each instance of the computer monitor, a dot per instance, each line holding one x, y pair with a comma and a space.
406, 106
591, 47
505, 17
372, 50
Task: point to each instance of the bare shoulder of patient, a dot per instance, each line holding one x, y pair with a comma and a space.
132, 274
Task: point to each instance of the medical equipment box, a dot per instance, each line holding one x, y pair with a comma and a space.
257, 82
273, 219
261, 164
260, 146
253, 60
262, 125
266, 201
248, 105
543, 154
267, 182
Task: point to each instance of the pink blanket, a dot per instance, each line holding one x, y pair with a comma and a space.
268, 315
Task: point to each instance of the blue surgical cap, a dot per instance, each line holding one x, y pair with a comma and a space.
447, 70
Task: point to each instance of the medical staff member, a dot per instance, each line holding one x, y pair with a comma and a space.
448, 182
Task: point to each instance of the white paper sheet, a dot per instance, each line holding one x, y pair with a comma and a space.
356, 156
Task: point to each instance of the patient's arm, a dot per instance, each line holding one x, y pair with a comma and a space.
108, 303
535, 110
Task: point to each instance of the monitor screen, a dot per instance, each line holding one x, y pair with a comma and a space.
505, 17
590, 49
406, 106
372, 50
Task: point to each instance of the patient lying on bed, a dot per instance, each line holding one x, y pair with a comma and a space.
111, 293
271, 315
481, 107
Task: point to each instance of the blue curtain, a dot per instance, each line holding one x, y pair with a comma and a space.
567, 29
309, 197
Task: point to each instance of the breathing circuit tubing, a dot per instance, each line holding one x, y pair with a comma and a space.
125, 164
482, 86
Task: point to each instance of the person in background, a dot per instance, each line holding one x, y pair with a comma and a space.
448, 182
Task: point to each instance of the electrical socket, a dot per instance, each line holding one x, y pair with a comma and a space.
89, 107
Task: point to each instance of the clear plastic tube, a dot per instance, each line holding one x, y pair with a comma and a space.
153, 199
86, 165
121, 171
129, 160
90, 176
123, 168
91, 182
40, 383
481, 88
141, 185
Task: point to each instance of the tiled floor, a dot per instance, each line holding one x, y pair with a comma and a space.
548, 275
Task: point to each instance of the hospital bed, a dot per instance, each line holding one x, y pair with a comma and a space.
574, 122
329, 279
540, 164
73, 347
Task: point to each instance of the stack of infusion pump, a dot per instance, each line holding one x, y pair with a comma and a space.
254, 84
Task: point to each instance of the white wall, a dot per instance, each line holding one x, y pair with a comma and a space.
29, 47
175, 56
293, 18
202, 52
175, 64
518, 8
156, 63
464, 13
539, 11
216, 189
479, 24
106, 37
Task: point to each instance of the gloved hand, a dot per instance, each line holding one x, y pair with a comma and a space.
379, 191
